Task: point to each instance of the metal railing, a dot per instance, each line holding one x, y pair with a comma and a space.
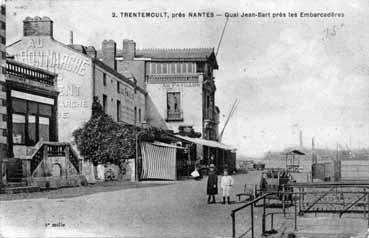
174, 115
252, 205
54, 149
356, 202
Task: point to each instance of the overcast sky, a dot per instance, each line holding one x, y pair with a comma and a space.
308, 74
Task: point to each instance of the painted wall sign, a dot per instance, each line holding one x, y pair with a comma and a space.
74, 81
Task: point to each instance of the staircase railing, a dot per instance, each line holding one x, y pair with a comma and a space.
52, 149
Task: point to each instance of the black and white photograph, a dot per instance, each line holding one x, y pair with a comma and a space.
198, 118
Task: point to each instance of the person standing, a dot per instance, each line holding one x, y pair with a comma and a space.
212, 186
226, 185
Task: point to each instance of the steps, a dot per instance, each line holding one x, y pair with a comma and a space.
22, 189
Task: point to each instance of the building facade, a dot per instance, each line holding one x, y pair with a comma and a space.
180, 85
81, 76
3, 113
32, 99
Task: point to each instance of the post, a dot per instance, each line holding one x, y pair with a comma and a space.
300, 198
252, 220
233, 225
271, 221
136, 158
367, 201
295, 216
283, 200
263, 218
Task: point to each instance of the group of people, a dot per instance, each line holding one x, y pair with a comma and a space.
212, 185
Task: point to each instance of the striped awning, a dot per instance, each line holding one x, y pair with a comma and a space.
158, 161
210, 143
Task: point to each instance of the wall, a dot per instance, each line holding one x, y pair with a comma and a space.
3, 126
129, 97
74, 81
191, 101
137, 68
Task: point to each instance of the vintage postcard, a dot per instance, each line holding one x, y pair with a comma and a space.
198, 118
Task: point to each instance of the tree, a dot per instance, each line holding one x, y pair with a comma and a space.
102, 140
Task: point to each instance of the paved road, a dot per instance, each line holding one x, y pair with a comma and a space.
176, 210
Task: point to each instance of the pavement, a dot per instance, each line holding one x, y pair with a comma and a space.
178, 209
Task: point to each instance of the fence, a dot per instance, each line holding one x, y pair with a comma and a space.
333, 197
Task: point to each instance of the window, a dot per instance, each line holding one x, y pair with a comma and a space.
118, 110
189, 68
158, 68
174, 111
19, 129
44, 128
31, 129
200, 67
104, 79
19, 105
153, 68
105, 101
3, 25
139, 115
179, 68
165, 68
172, 68
135, 115
45, 109
118, 87
30, 122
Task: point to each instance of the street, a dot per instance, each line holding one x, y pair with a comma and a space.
178, 209
154, 209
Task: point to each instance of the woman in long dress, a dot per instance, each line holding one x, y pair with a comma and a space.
212, 186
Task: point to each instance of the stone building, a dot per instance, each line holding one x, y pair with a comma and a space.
81, 76
3, 118
180, 85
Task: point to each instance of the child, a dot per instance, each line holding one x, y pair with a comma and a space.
226, 184
212, 186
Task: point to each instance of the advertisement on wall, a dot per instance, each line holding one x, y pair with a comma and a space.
74, 80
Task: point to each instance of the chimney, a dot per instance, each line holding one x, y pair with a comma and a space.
109, 52
129, 49
91, 51
71, 38
38, 26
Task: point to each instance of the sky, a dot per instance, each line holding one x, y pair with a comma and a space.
290, 74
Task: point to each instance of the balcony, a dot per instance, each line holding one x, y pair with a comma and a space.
19, 72
174, 116
170, 78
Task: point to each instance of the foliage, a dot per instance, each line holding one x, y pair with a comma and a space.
103, 140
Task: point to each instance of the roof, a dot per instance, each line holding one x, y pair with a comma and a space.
162, 54
210, 143
186, 54
297, 152
118, 75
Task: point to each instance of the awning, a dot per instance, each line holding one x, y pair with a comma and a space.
209, 143
158, 143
